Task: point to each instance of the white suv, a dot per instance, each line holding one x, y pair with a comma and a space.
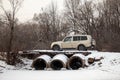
79, 42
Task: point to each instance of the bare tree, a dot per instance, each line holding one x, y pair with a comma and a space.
80, 15
72, 13
10, 17
107, 25
49, 25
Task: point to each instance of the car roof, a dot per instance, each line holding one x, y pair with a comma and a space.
78, 35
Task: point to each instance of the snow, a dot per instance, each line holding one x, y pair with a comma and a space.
105, 69
45, 57
26, 66
79, 55
52, 51
61, 57
59, 75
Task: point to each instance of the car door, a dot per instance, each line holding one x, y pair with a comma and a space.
67, 42
76, 41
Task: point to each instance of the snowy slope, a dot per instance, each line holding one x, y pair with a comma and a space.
106, 69
25, 66
59, 75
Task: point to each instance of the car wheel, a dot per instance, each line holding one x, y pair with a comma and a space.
81, 47
56, 48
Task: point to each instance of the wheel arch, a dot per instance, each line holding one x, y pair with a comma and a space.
56, 45
80, 45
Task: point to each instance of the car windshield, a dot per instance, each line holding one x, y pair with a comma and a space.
67, 39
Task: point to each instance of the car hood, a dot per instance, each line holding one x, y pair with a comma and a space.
57, 42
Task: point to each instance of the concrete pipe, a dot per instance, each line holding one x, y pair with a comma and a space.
59, 61
41, 62
76, 61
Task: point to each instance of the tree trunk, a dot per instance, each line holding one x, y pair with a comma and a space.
11, 55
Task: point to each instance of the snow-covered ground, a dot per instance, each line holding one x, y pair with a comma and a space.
26, 66
106, 69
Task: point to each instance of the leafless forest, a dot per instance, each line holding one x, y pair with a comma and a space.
99, 19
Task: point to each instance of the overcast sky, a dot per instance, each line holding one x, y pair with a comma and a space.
29, 7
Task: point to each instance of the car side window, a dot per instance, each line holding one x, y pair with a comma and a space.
83, 37
68, 39
76, 38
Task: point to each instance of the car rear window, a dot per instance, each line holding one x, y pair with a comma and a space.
83, 37
78, 38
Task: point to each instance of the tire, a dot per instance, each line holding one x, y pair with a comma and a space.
82, 48
56, 48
